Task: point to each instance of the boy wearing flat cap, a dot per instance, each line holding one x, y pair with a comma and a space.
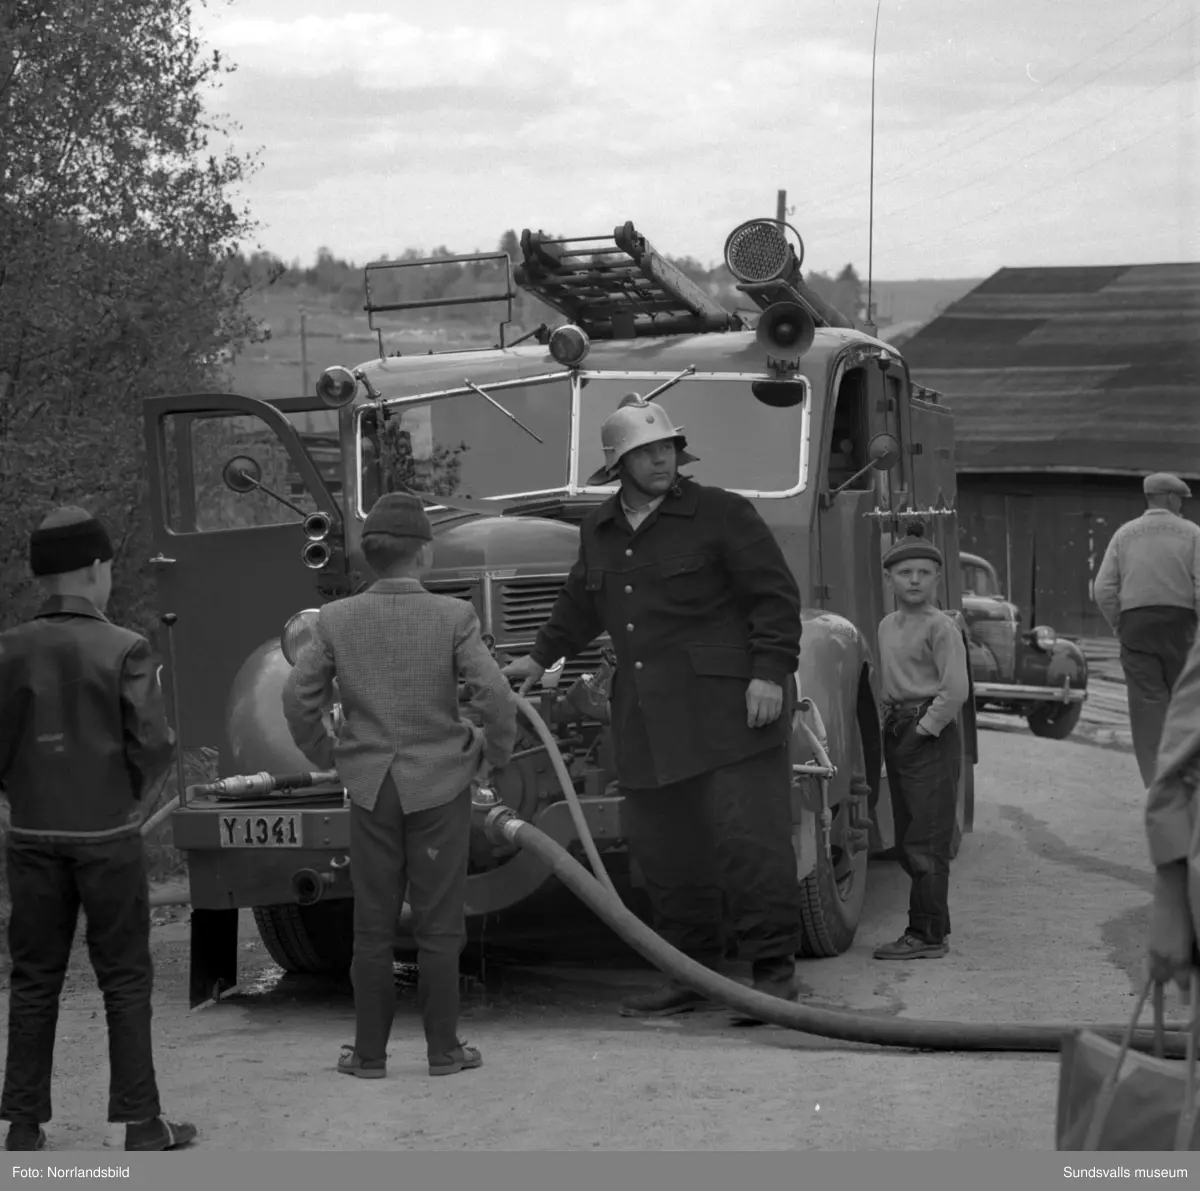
923, 683
408, 760
83, 736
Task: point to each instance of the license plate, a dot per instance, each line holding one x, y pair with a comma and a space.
261, 831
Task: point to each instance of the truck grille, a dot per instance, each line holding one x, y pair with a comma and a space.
459, 589
525, 605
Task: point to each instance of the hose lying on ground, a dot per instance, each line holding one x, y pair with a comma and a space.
601, 897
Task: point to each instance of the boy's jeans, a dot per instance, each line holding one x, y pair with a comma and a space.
49, 883
923, 774
427, 852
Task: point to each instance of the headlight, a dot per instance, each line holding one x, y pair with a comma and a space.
569, 345
297, 633
1044, 637
336, 386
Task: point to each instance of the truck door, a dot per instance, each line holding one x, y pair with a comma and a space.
228, 564
851, 581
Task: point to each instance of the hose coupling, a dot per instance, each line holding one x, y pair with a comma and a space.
308, 885
502, 825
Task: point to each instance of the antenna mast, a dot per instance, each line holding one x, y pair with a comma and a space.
870, 325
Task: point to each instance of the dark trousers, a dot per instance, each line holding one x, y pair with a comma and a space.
725, 832
923, 774
48, 883
1155, 643
427, 851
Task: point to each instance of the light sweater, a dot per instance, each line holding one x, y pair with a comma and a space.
1151, 560
922, 656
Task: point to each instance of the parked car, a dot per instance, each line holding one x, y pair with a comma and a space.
1035, 672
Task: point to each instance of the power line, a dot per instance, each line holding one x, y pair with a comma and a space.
923, 165
1083, 169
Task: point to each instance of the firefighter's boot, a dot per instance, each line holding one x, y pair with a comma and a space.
773, 977
665, 1000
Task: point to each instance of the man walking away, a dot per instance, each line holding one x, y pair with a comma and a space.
83, 736
704, 616
923, 684
1148, 589
408, 759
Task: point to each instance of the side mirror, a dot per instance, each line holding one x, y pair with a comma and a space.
242, 474
884, 452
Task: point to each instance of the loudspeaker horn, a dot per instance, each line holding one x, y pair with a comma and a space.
785, 329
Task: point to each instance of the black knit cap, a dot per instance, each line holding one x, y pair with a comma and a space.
912, 545
69, 539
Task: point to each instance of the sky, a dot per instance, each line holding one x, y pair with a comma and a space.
1019, 133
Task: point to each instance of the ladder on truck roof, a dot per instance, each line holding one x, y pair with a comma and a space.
617, 287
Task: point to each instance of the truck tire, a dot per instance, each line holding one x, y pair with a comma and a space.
830, 908
1055, 721
309, 939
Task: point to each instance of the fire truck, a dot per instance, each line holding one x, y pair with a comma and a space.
816, 421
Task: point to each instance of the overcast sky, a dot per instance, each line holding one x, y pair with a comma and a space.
1030, 132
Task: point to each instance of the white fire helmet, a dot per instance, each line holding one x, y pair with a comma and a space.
635, 423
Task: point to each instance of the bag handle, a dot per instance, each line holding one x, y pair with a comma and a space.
1108, 1089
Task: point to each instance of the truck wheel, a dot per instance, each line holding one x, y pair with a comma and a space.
1055, 720
831, 896
309, 939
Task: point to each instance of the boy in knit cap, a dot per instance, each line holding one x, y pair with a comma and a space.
83, 736
408, 760
923, 683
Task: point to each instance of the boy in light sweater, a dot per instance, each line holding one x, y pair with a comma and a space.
923, 684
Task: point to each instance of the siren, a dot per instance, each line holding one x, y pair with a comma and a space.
785, 331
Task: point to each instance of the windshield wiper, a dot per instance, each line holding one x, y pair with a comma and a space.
488, 397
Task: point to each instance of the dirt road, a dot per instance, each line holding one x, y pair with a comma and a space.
1049, 901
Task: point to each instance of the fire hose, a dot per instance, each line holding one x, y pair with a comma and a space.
596, 890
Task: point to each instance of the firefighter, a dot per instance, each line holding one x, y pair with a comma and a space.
83, 737
704, 617
1148, 589
923, 684
408, 760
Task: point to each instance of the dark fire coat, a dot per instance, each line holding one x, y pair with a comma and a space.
698, 601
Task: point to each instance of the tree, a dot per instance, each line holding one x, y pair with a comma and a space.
118, 273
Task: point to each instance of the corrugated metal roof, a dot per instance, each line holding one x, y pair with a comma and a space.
1089, 370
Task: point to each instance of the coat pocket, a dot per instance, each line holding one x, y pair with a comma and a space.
720, 661
681, 565
594, 580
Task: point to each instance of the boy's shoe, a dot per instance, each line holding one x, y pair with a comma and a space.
461, 1058
665, 1000
350, 1064
25, 1137
909, 946
159, 1134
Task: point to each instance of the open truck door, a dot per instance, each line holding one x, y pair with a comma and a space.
230, 566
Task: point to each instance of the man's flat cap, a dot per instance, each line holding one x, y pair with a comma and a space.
401, 515
1162, 483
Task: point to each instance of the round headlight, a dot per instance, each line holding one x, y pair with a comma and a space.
297, 633
336, 386
1044, 636
569, 345
315, 555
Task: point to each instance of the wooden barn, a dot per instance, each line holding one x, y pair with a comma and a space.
1068, 386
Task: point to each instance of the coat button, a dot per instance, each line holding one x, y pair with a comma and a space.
628, 553
629, 628
637, 665
628, 589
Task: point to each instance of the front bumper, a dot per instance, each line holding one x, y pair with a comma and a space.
1004, 692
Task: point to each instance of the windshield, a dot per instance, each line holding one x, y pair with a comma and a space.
460, 445
741, 443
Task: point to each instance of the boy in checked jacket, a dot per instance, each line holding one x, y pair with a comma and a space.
408, 760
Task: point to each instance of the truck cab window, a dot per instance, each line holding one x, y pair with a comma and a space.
848, 436
198, 446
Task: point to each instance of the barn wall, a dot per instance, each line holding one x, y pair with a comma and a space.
1046, 535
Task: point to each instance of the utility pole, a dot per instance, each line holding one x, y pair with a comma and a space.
781, 206
304, 351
